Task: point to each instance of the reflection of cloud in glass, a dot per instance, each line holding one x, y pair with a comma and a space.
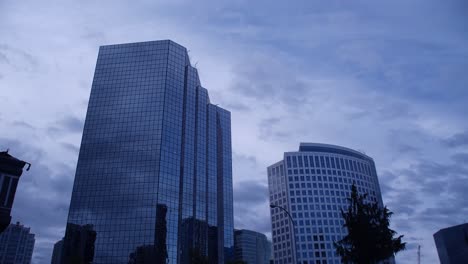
154, 152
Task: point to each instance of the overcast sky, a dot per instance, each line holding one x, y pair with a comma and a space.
387, 78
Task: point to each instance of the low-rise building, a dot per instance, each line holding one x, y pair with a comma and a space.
251, 247
452, 244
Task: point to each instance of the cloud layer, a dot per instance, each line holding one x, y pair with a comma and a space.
385, 78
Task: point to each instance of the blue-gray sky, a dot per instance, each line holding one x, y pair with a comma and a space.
385, 77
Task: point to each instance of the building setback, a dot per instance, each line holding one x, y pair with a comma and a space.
154, 173
452, 244
312, 184
251, 247
16, 245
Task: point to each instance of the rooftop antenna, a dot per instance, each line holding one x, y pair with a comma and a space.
419, 254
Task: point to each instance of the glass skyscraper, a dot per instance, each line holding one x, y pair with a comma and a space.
153, 182
312, 184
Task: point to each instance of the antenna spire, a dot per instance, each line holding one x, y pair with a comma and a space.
419, 254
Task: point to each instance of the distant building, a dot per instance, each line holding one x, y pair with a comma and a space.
78, 244
251, 247
16, 245
452, 244
11, 169
312, 185
270, 252
57, 253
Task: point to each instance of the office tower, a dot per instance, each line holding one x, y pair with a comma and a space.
452, 244
312, 184
16, 244
154, 173
11, 170
57, 252
251, 247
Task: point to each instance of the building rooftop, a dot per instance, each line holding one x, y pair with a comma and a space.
320, 147
11, 165
452, 228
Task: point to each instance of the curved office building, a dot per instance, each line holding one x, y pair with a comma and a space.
312, 184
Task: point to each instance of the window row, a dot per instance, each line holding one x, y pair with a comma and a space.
327, 162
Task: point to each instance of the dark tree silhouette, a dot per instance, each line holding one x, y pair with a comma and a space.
160, 246
236, 262
196, 257
369, 238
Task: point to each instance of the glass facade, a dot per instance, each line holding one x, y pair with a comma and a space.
313, 184
16, 245
154, 174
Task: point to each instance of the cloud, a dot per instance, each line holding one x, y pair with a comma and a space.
411, 196
237, 106
70, 147
460, 139
251, 209
16, 58
250, 192
3, 58
68, 124
461, 158
270, 128
72, 124
23, 124
377, 77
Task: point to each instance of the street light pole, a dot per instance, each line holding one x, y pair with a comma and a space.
293, 227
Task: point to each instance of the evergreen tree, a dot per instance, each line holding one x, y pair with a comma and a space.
369, 238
